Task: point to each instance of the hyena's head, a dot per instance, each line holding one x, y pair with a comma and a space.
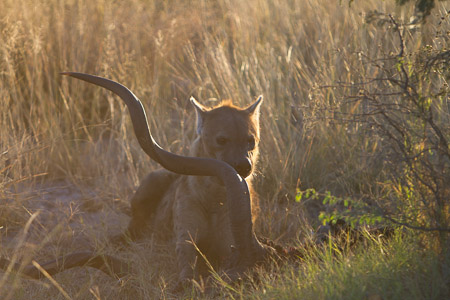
229, 133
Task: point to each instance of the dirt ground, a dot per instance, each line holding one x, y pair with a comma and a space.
67, 216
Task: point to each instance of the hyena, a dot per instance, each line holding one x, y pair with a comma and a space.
195, 208
210, 210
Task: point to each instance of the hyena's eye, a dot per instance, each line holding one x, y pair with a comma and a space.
221, 141
251, 142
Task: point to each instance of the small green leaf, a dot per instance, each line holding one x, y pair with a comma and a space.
298, 196
307, 192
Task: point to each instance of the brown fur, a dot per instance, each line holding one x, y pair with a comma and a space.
194, 208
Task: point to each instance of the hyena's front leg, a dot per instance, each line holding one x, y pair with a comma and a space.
191, 230
145, 202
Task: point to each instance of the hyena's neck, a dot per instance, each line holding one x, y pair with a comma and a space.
204, 185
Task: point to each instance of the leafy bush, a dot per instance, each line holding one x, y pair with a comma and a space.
404, 113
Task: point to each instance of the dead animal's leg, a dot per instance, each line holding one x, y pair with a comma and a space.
146, 200
108, 264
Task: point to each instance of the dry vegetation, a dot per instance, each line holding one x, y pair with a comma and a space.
69, 160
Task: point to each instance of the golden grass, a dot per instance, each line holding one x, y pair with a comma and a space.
54, 129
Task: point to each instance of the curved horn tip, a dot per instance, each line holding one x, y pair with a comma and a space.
68, 73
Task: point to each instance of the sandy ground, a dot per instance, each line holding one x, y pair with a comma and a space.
68, 216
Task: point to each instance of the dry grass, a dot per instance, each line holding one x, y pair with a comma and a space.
57, 132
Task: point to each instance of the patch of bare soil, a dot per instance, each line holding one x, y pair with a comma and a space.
68, 216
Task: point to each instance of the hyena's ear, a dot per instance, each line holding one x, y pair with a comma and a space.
253, 109
200, 112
